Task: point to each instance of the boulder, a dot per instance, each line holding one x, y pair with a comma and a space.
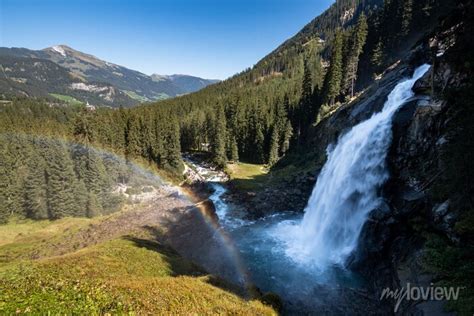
423, 85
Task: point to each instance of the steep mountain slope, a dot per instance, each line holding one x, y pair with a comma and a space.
110, 83
257, 115
342, 13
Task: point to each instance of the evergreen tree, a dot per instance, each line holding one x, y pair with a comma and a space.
218, 145
82, 130
334, 75
157, 148
378, 55
355, 47
286, 138
305, 105
234, 150
274, 141
132, 137
35, 190
259, 143
91, 171
172, 151
93, 206
61, 181
282, 124
5, 178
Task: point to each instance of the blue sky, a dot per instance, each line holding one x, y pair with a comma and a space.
207, 38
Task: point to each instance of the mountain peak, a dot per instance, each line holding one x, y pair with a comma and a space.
60, 49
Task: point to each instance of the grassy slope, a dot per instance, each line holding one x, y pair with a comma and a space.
133, 95
66, 98
246, 176
251, 177
127, 274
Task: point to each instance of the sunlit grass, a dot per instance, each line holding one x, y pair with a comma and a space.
134, 95
130, 274
247, 176
66, 98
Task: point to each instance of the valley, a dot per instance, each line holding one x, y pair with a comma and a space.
331, 175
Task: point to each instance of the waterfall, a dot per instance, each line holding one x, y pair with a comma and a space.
347, 187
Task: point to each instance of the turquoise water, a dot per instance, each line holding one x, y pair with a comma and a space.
267, 265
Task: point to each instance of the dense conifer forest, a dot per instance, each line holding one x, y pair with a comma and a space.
61, 160
256, 116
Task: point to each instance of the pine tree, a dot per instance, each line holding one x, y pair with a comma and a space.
172, 151
281, 114
132, 137
334, 75
93, 205
35, 190
355, 47
81, 196
378, 55
259, 144
157, 143
234, 150
305, 107
218, 145
274, 140
91, 171
5, 178
282, 123
82, 130
61, 181
287, 137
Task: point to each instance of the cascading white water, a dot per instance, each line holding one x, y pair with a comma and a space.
346, 189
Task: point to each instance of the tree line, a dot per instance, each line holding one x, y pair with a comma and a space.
42, 178
256, 116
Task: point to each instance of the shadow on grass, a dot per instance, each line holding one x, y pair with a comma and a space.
179, 265
303, 163
193, 246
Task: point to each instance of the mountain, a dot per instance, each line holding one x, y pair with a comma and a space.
186, 83
288, 113
85, 78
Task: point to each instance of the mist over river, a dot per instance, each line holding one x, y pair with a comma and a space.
302, 257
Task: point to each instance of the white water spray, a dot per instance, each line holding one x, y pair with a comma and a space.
346, 190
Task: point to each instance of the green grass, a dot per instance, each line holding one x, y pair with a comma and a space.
134, 95
253, 177
66, 98
127, 275
23, 239
248, 177
161, 96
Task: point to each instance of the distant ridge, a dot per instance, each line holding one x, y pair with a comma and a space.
85, 78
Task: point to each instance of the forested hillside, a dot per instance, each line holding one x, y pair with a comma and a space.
48, 168
256, 116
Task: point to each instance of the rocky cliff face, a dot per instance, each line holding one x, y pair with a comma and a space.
390, 247
292, 194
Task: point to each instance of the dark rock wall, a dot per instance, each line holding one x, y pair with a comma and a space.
391, 245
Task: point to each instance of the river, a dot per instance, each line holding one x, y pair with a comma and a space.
302, 257
263, 253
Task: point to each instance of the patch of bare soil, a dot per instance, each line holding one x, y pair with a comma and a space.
134, 220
